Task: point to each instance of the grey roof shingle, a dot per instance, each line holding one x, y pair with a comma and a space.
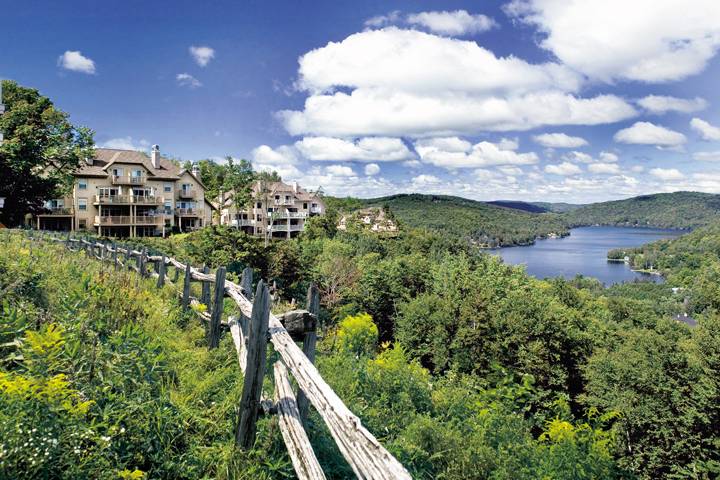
105, 157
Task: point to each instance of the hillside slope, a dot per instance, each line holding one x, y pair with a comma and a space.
487, 224
662, 210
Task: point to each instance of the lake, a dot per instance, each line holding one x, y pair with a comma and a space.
584, 252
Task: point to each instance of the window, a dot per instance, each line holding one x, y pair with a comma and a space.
168, 187
137, 173
82, 204
258, 205
117, 172
82, 184
305, 205
82, 224
168, 208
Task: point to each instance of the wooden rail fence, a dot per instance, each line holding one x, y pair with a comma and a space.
250, 330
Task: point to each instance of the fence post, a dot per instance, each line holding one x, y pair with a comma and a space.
143, 262
246, 286
115, 258
255, 370
177, 275
217, 309
205, 296
309, 342
161, 273
186, 287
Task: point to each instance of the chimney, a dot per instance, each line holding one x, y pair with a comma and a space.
196, 170
155, 156
89, 161
294, 187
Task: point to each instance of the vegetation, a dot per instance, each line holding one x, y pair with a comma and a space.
484, 224
662, 210
40, 151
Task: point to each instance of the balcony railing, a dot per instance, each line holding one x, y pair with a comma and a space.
282, 201
289, 214
128, 180
117, 220
187, 212
315, 210
128, 199
243, 223
58, 211
186, 193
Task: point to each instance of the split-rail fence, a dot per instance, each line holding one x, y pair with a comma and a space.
250, 330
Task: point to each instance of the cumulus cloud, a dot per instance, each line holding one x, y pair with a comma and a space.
604, 168
187, 80
707, 156
282, 155
650, 40
667, 174
646, 133
287, 172
564, 168
705, 129
425, 180
202, 55
372, 169
340, 170
659, 104
453, 153
74, 61
559, 140
511, 171
126, 143
580, 157
458, 22
387, 89
608, 157
381, 149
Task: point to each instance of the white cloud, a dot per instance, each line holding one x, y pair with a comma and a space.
705, 129
468, 90
511, 171
646, 40
75, 61
187, 80
339, 171
576, 156
425, 180
449, 153
126, 143
646, 133
637, 168
667, 174
372, 169
604, 168
707, 156
287, 172
391, 18
459, 22
381, 149
608, 157
559, 140
660, 104
564, 168
282, 155
202, 55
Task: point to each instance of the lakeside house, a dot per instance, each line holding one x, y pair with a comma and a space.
374, 219
126, 193
276, 209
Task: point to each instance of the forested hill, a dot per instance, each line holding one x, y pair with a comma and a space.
663, 210
487, 224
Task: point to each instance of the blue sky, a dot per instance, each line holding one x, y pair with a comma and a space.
574, 101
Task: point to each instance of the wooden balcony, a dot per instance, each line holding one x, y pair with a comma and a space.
186, 193
128, 200
124, 220
289, 215
128, 180
58, 212
187, 212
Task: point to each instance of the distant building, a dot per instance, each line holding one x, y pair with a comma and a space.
125, 193
277, 209
373, 219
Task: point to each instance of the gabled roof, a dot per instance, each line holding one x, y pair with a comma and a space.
105, 157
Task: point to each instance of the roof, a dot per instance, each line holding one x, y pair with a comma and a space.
272, 188
105, 157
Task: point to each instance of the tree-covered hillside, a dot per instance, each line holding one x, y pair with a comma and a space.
485, 224
662, 210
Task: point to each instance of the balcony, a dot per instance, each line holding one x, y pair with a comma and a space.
186, 193
243, 223
122, 220
128, 200
58, 211
289, 215
281, 201
315, 210
128, 180
187, 212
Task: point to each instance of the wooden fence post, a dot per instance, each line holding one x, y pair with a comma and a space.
186, 287
217, 309
205, 296
161, 273
246, 286
177, 275
309, 342
255, 371
143, 262
115, 257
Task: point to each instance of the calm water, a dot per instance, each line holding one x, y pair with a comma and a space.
585, 252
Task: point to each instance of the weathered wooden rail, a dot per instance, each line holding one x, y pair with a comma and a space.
250, 330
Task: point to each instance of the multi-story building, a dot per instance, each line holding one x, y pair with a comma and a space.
276, 210
125, 193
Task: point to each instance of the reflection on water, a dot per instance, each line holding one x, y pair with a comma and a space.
584, 252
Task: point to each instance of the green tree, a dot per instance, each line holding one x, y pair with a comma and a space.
40, 151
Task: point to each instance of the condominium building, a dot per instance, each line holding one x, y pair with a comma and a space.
276, 210
126, 193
